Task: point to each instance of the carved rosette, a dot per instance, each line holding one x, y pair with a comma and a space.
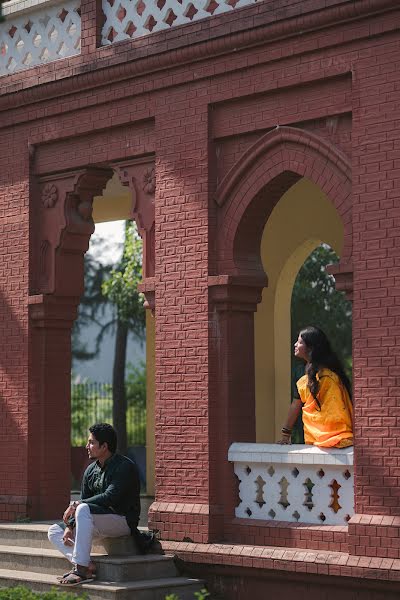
149, 181
49, 195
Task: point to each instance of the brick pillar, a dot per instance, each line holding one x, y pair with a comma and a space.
61, 209
92, 21
375, 528
233, 301
181, 509
49, 448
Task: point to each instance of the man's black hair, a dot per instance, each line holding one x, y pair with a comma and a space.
103, 432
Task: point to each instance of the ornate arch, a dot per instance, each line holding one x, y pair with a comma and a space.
252, 187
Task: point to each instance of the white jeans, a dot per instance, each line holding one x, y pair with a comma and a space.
87, 527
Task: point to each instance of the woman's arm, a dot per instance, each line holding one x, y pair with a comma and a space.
293, 413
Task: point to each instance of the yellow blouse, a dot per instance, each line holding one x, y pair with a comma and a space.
333, 424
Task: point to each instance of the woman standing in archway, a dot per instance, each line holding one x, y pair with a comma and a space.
324, 395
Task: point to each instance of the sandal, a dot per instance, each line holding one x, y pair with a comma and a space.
75, 578
91, 572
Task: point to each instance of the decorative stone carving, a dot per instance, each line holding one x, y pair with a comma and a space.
149, 181
271, 489
85, 210
49, 195
63, 232
126, 20
139, 176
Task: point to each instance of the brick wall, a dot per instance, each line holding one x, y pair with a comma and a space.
198, 98
14, 281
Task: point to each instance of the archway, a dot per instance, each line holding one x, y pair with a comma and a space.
247, 197
302, 219
62, 209
116, 203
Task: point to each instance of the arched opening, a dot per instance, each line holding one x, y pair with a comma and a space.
287, 194
302, 219
114, 207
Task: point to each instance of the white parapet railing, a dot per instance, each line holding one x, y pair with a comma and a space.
36, 32
127, 19
296, 483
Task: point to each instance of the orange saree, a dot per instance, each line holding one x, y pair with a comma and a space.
333, 424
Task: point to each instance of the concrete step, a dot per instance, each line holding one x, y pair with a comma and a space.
28, 535
98, 590
134, 568
34, 535
109, 568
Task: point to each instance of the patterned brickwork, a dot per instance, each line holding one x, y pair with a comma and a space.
247, 571
14, 259
198, 99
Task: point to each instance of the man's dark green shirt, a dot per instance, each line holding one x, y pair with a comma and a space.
113, 488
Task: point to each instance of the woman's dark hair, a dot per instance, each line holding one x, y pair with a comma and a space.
103, 432
321, 355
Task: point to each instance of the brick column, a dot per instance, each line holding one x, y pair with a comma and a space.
376, 308
233, 301
62, 225
92, 21
49, 454
181, 509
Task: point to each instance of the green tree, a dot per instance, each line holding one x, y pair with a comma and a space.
92, 308
121, 290
315, 301
105, 286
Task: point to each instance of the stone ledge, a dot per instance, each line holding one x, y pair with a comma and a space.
287, 559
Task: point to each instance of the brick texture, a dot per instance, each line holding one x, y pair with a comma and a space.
316, 86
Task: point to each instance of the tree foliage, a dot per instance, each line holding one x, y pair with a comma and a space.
120, 288
315, 301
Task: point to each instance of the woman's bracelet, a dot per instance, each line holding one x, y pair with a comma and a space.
286, 430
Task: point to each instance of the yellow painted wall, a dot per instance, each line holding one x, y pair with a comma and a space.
115, 204
303, 218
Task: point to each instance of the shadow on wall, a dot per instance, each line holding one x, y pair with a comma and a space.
13, 410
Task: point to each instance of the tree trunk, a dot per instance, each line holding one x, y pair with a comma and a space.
119, 391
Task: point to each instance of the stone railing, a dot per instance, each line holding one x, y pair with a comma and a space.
125, 19
37, 32
294, 483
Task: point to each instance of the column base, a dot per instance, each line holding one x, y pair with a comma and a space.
374, 535
185, 522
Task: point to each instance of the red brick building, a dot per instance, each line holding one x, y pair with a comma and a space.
208, 119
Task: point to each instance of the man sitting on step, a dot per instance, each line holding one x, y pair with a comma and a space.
109, 506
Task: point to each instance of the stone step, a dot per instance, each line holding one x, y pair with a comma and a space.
133, 568
32, 535
98, 590
109, 568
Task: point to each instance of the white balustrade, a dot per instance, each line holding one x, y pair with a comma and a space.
126, 19
37, 32
294, 483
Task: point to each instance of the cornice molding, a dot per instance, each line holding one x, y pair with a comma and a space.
256, 28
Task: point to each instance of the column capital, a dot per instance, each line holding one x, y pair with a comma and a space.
53, 312
236, 292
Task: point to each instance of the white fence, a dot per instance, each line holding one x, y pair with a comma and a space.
126, 19
294, 483
37, 32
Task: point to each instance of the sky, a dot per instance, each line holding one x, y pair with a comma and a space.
112, 234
